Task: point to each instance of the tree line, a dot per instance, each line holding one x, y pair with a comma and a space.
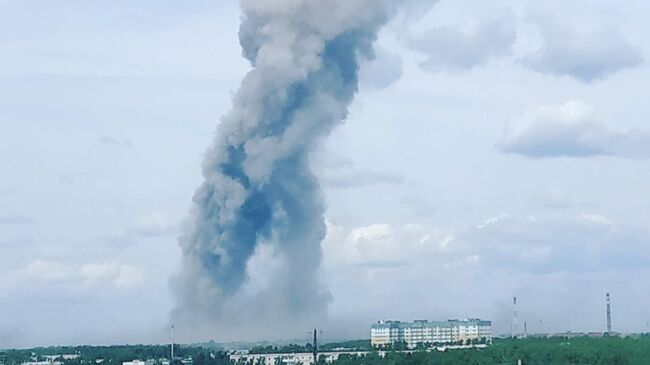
531, 351
116, 355
631, 350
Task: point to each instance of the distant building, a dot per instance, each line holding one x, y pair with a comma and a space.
59, 357
46, 362
413, 333
139, 362
298, 358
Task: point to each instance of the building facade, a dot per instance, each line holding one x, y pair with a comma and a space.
299, 358
385, 333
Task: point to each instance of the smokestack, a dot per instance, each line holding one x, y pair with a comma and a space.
514, 317
315, 347
259, 187
171, 337
525, 330
609, 314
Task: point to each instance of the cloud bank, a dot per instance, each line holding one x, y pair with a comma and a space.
572, 129
54, 273
585, 51
453, 48
574, 258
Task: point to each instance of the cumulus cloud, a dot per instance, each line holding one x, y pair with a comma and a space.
533, 257
47, 271
378, 244
572, 129
120, 275
453, 48
371, 232
586, 242
39, 273
570, 243
585, 51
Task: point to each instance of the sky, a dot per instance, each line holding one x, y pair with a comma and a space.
495, 149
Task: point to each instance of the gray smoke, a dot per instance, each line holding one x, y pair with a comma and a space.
259, 188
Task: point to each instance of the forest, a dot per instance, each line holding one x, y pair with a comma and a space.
614, 350
116, 355
531, 351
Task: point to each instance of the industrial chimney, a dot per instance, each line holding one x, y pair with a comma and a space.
609, 314
315, 347
514, 317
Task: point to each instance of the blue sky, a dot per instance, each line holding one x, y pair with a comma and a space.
493, 150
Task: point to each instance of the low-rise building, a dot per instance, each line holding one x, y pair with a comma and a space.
139, 362
59, 357
385, 333
302, 358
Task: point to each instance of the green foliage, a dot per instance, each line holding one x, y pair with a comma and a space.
610, 350
286, 349
115, 355
354, 345
532, 351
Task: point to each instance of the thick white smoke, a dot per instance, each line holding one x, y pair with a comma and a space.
258, 186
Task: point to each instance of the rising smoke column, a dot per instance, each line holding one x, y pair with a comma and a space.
258, 183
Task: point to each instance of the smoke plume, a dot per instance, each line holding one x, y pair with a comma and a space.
259, 189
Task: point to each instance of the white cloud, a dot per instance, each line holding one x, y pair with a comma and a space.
455, 48
583, 243
532, 245
586, 50
597, 218
493, 220
572, 129
46, 273
371, 232
119, 275
478, 268
380, 245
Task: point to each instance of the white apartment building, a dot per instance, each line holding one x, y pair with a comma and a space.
413, 333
